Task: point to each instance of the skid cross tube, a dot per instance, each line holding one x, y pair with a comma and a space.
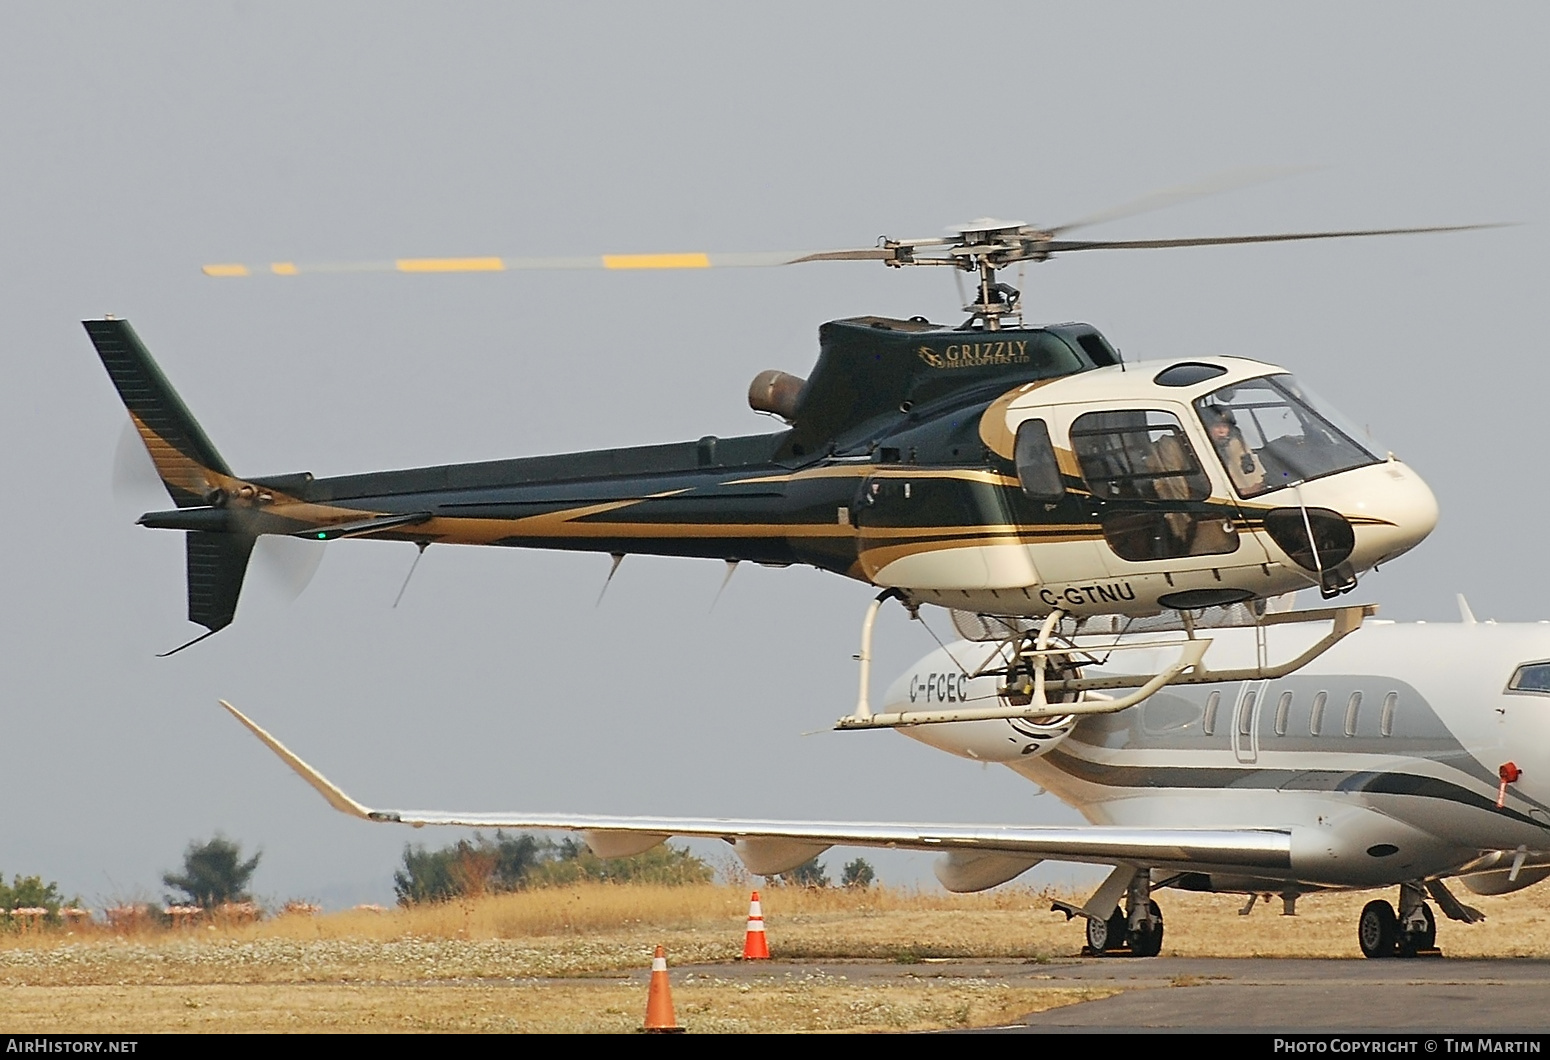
1187, 669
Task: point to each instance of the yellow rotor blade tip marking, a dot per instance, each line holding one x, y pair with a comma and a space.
283, 268
656, 261
451, 265
225, 270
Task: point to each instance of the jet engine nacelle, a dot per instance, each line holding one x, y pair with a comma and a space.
942, 679
966, 871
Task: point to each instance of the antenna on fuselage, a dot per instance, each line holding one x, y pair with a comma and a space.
618, 558
422, 546
731, 570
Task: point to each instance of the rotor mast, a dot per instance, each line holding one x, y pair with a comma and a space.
982, 246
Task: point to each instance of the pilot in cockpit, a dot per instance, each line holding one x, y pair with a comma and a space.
1243, 467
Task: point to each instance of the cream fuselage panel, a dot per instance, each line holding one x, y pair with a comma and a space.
1388, 505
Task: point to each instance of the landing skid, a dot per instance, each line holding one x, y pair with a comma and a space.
1032, 669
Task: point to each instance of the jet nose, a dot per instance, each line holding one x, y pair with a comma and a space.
1393, 515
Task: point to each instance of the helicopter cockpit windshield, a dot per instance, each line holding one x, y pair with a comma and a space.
1268, 434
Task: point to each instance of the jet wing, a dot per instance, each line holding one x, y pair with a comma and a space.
773, 843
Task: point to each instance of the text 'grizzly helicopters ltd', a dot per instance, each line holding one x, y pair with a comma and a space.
1024, 474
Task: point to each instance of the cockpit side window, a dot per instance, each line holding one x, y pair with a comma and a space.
1531, 678
1036, 466
1267, 434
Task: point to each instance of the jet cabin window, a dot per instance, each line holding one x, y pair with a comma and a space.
1267, 434
1141, 463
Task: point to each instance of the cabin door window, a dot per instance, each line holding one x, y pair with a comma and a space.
1149, 487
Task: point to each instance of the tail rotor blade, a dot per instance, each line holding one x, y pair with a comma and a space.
135, 481
288, 563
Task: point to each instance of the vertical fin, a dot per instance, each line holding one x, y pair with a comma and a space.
217, 564
187, 463
1466, 616
184, 457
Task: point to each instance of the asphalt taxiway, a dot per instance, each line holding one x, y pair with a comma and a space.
1425, 995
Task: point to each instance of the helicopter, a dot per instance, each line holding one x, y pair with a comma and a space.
1015, 472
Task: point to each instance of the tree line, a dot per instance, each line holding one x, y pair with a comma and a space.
215, 873
470, 868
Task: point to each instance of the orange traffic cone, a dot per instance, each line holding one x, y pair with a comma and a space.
659, 999
755, 946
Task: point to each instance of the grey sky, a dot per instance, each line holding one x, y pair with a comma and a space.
141, 141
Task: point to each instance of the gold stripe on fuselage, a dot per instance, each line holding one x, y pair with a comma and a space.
998, 438
878, 557
1048, 532
859, 471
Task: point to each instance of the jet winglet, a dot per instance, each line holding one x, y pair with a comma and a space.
336, 798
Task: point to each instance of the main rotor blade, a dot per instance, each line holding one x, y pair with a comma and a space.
1231, 180
594, 261
1061, 246
899, 252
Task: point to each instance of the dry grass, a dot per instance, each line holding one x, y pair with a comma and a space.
810, 1003
592, 928
493, 963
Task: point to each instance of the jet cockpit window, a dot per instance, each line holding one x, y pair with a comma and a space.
1531, 677
1137, 455
1268, 434
1035, 458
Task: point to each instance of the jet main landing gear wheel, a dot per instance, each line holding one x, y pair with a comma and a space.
1106, 936
1147, 940
1413, 942
1378, 929
1114, 934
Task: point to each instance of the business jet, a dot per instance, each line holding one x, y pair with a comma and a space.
1405, 756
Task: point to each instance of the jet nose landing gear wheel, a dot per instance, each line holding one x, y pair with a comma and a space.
1378, 929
